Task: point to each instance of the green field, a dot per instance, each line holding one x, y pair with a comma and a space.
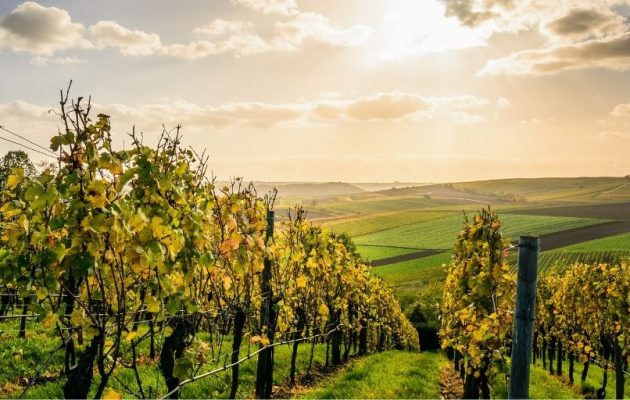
414, 272
359, 226
441, 233
351, 206
605, 250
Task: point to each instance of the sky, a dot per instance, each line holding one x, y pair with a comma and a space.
336, 90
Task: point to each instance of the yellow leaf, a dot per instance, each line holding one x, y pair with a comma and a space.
323, 310
16, 177
157, 227
50, 320
153, 305
301, 282
111, 394
130, 336
42, 293
76, 318
98, 200
138, 221
227, 283
255, 339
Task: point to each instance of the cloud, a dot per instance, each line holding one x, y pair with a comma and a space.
606, 136
42, 61
581, 23
40, 30
385, 106
473, 13
502, 102
244, 114
249, 115
621, 110
222, 28
312, 26
395, 106
282, 7
43, 31
128, 41
611, 52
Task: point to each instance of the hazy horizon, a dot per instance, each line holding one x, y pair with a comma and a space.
324, 91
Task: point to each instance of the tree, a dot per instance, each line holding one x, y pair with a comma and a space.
15, 159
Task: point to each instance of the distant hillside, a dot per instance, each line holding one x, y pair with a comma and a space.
309, 189
374, 187
443, 192
604, 189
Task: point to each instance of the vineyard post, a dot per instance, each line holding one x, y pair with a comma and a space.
264, 372
522, 334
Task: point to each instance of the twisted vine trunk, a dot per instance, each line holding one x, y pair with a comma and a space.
559, 359
601, 392
80, 376
552, 350
585, 370
172, 349
27, 302
301, 323
363, 336
619, 376
239, 325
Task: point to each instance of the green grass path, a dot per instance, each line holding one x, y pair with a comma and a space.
391, 374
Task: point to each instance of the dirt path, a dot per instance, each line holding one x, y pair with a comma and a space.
406, 257
614, 211
556, 240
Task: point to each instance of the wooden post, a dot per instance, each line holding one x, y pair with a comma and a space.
264, 371
523, 326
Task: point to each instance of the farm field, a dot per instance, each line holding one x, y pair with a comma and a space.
559, 190
608, 249
440, 233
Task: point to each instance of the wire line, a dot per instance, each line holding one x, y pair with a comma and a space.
29, 148
4, 128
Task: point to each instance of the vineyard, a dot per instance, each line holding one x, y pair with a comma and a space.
131, 262
129, 273
582, 314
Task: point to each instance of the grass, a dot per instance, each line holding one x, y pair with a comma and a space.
391, 374
593, 381
348, 205
364, 225
372, 253
441, 233
414, 272
541, 386
20, 359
